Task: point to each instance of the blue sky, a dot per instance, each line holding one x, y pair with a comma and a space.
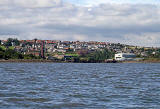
96, 2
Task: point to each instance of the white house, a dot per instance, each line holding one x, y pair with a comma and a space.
124, 56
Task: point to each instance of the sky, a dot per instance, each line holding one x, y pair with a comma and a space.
134, 22
97, 2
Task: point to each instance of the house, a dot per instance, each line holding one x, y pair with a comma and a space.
124, 56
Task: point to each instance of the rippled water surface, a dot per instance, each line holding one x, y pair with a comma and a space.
79, 86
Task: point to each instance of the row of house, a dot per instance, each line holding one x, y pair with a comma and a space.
39, 47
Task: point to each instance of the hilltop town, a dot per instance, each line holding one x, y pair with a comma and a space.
70, 51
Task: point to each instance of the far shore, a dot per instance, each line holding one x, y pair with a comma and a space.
51, 61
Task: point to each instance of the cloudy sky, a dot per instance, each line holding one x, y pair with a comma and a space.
135, 22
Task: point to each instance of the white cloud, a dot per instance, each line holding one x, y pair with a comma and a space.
31, 3
53, 19
144, 39
97, 2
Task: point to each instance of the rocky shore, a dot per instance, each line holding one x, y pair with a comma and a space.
143, 61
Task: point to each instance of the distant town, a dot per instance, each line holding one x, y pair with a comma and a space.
73, 51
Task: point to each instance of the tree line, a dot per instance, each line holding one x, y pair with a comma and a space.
6, 52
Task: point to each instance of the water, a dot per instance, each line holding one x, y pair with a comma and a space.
79, 86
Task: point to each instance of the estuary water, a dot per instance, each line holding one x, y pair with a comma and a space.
79, 86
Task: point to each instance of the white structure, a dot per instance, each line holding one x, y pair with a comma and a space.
124, 56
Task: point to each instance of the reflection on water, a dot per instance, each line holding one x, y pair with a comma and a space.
79, 86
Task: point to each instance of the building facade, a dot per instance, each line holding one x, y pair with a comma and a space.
124, 56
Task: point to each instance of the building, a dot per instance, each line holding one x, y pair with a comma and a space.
124, 56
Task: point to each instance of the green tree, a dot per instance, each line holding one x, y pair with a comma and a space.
100, 56
11, 54
12, 40
1, 54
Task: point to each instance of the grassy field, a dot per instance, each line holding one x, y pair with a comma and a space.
4, 48
67, 54
72, 54
11, 47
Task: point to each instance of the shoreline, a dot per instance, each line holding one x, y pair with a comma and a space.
146, 61
51, 61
